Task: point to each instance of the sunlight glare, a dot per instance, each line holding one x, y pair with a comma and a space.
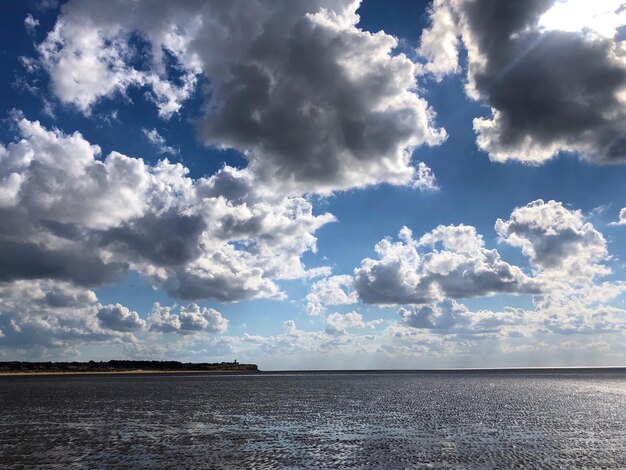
601, 16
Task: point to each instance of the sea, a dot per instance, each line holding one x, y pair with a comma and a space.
437, 419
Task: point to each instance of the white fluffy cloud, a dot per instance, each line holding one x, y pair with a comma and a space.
42, 317
52, 315
439, 42
622, 217
417, 272
337, 324
524, 61
119, 318
72, 215
558, 241
190, 319
311, 100
567, 255
333, 290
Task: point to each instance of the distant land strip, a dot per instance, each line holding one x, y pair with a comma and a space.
120, 366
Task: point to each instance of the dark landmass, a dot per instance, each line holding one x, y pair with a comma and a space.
17, 367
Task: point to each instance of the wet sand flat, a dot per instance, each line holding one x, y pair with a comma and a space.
315, 420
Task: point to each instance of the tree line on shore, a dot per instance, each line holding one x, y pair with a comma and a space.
121, 365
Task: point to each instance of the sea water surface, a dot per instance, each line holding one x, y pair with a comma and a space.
316, 420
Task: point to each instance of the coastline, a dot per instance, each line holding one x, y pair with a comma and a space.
32, 373
247, 371
119, 367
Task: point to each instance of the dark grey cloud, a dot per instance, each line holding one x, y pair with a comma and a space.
312, 101
549, 90
32, 261
442, 316
168, 239
236, 283
455, 320
23, 332
119, 318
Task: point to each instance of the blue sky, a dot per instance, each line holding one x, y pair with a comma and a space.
298, 146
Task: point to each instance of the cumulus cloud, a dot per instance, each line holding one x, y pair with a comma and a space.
337, 324
71, 214
439, 42
333, 290
553, 77
413, 271
568, 256
86, 54
459, 322
427, 275
45, 315
310, 99
444, 315
190, 319
119, 318
558, 241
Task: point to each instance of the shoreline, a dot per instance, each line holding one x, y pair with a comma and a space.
459, 371
32, 373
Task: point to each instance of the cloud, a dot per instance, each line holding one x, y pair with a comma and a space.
32, 261
458, 322
446, 315
568, 255
86, 53
558, 241
333, 290
337, 324
622, 217
426, 276
439, 42
417, 272
289, 326
71, 214
312, 346
47, 316
30, 23
159, 142
119, 318
551, 87
190, 319
310, 99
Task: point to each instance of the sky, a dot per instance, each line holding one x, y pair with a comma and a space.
325, 184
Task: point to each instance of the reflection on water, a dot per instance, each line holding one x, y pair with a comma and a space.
315, 420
